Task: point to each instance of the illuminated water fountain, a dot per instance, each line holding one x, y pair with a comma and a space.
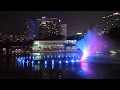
89, 44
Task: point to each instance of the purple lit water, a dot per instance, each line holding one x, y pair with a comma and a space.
90, 43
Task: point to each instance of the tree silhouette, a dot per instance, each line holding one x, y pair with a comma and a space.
113, 37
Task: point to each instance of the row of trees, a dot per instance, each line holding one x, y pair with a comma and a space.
8, 45
113, 37
114, 33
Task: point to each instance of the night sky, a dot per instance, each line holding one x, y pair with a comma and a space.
77, 21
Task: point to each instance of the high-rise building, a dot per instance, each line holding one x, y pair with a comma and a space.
49, 27
42, 28
38, 22
63, 30
31, 31
110, 21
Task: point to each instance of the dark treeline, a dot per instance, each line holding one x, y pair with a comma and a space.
113, 37
114, 33
53, 37
74, 37
9, 43
14, 45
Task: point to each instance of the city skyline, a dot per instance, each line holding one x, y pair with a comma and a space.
77, 21
36, 45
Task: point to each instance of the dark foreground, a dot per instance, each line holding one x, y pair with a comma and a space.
60, 68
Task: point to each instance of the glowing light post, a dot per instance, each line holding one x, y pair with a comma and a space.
32, 64
52, 64
60, 64
45, 65
27, 62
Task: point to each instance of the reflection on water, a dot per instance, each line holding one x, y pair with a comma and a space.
51, 66
64, 66
86, 70
37, 67
84, 66
45, 64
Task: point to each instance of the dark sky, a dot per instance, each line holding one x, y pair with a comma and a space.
77, 21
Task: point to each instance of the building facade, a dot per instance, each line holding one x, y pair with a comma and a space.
42, 28
48, 27
110, 21
58, 45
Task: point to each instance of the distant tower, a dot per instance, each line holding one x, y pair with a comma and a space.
63, 30
31, 33
38, 22
43, 20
